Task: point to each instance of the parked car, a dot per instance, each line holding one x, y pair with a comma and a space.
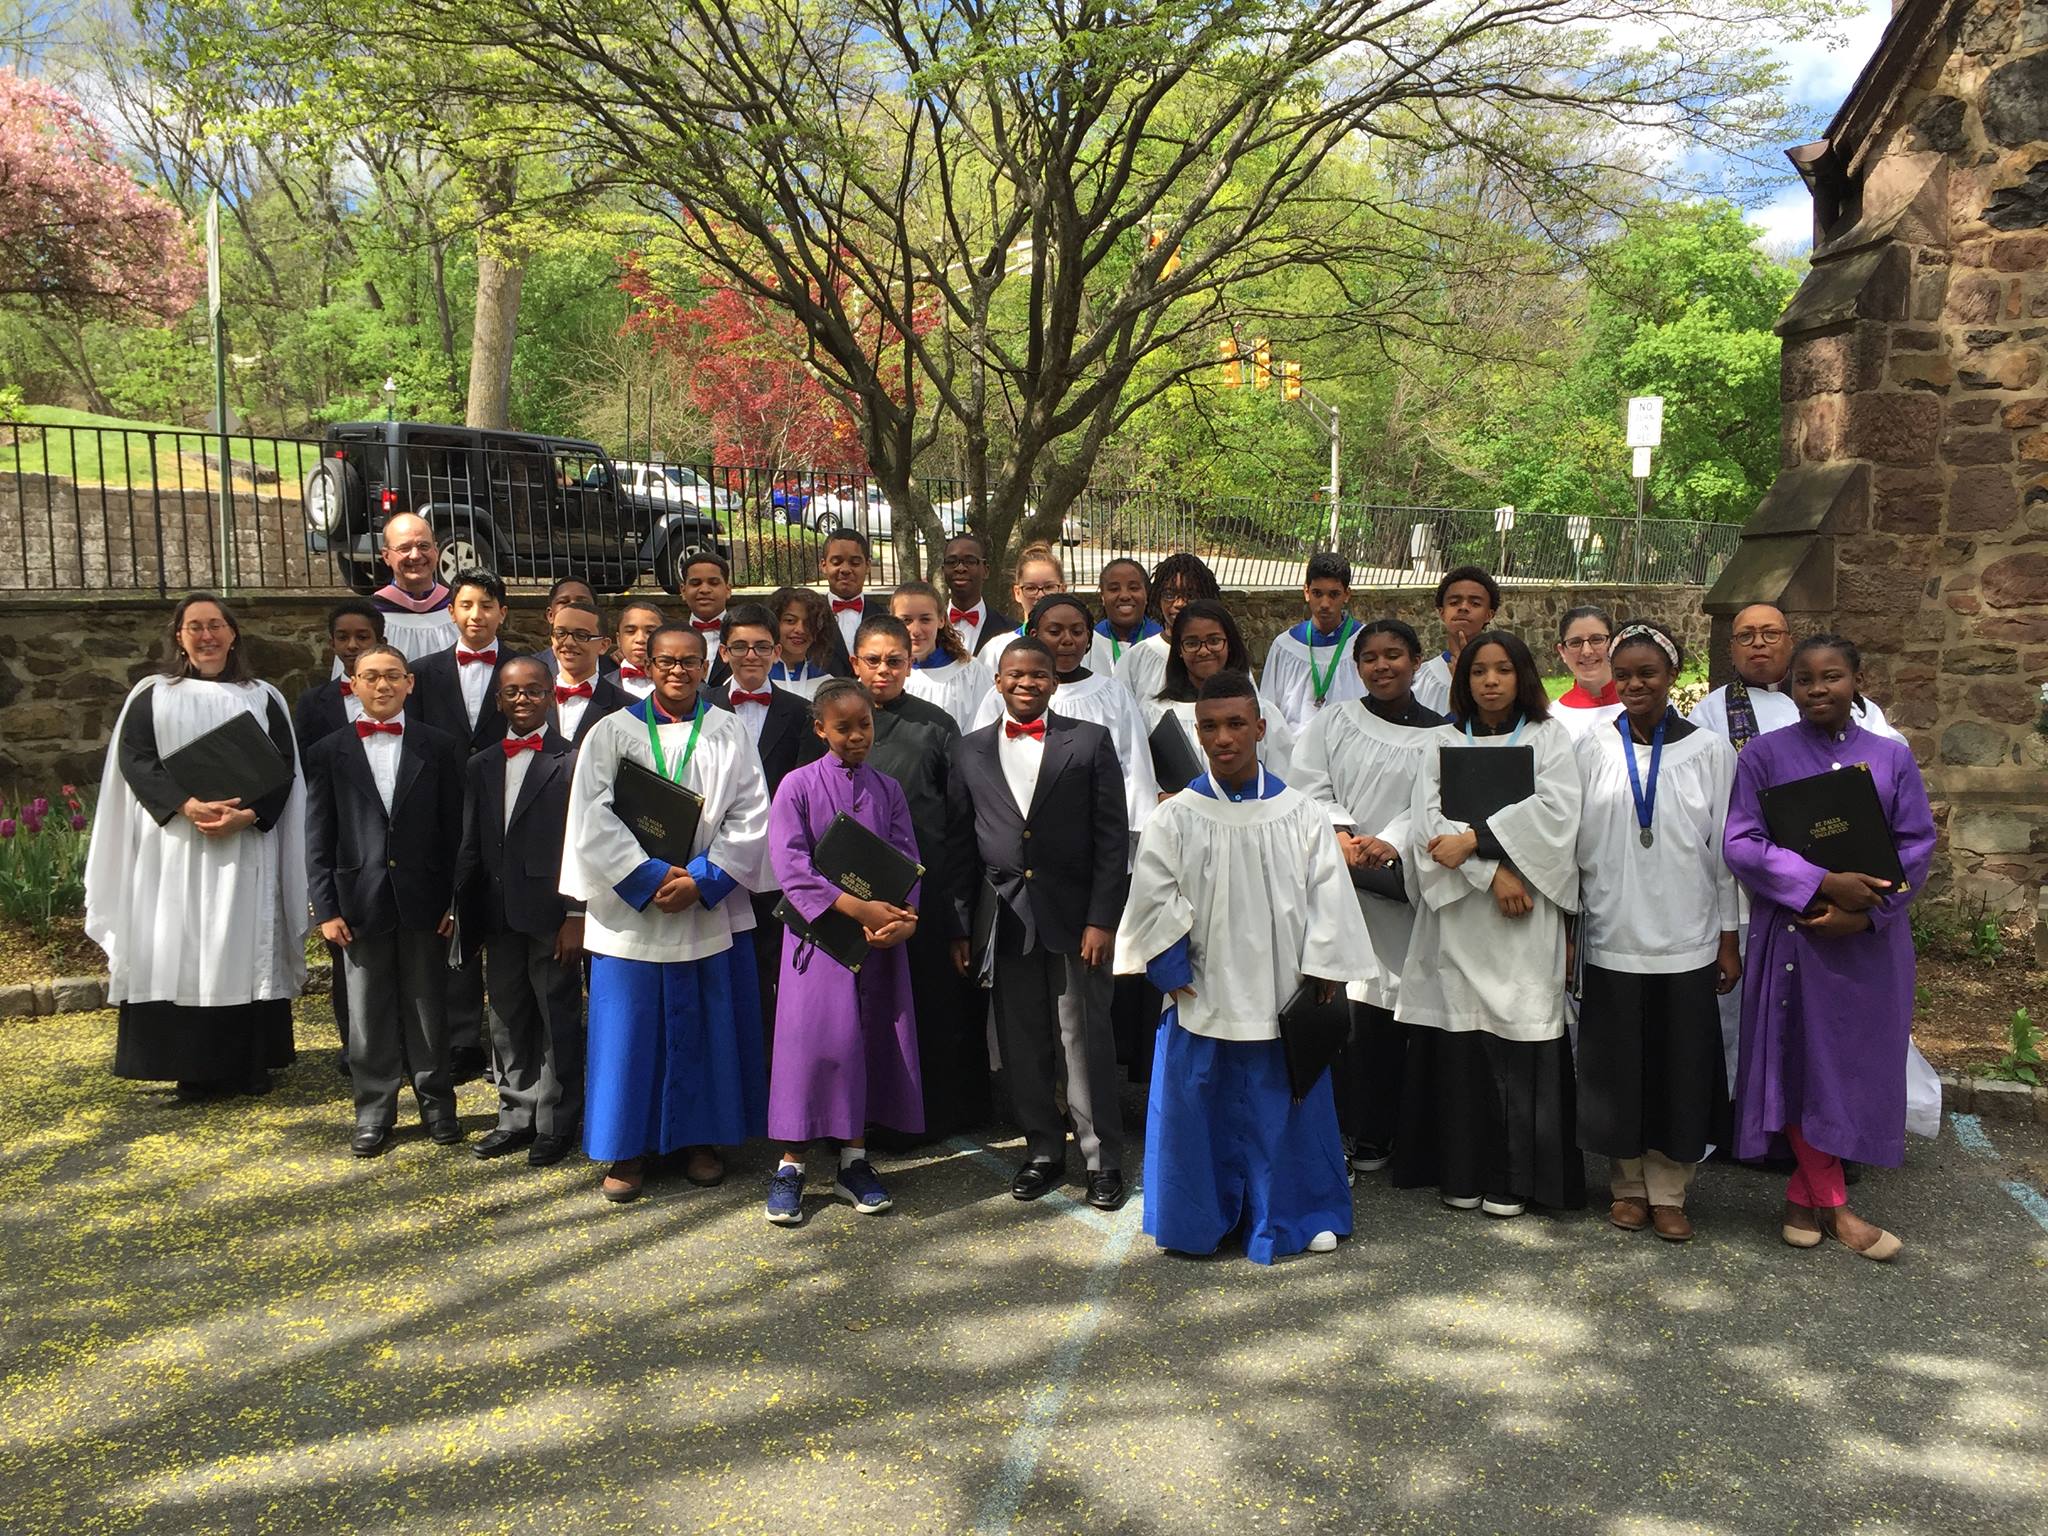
527, 506
790, 496
954, 515
673, 485
865, 507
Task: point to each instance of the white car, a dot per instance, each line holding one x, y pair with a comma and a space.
676, 484
954, 515
866, 508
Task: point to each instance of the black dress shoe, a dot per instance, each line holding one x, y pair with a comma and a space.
1106, 1188
466, 1064
1036, 1177
501, 1141
548, 1150
369, 1140
446, 1133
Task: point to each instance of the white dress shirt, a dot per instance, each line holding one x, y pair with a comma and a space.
569, 712
752, 715
515, 776
476, 680
382, 749
637, 687
1021, 757
849, 621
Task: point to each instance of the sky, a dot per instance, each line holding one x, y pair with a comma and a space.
1817, 78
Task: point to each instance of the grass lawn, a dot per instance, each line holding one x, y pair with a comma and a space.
112, 450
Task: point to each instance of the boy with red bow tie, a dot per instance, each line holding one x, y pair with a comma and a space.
707, 589
844, 565
582, 695
637, 623
509, 904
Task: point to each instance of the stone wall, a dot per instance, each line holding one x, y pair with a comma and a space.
1911, 511
67, 663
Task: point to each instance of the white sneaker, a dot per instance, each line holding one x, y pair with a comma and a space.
1323, 1242
1461, 1202
1503, 1208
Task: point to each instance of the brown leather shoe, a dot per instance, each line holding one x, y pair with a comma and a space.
623, 1179
1630, 1214
704, 1167
1671, 1223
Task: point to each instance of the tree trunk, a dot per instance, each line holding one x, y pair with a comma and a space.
500, 270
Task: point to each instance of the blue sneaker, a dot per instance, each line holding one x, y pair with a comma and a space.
786, 1197
857, 1183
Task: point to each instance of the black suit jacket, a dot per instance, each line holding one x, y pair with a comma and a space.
993, 623
606, 697
319, 712
437, 699
384, 872
787, 740
842, 661
1062, 867
508, 875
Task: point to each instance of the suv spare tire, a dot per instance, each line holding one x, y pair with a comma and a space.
333, 491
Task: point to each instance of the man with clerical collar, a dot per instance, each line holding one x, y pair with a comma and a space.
1760, 646
414, 602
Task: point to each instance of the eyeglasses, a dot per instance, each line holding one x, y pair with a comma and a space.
204, 627
417, 547
890, 662
1586, 642
1038, 588
373, 679
959, 562
580, 636
511, 691
1761, 636
1194, 644
751, 647
675, 663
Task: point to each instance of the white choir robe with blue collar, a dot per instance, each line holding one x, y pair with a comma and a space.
675, 1039
956, 685
1276, 751
1295, 659
1240, 900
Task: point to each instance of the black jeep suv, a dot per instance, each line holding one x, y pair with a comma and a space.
526, 506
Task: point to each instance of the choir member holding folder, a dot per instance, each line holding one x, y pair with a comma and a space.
1486, 1112
668, 820
1655, 938
1204, 641
1237, 902
195, 882
1828, 1000
846, 1050
1360, 760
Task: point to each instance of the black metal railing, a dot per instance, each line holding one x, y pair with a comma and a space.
86, 508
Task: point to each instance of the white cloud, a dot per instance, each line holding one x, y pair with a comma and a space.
1786, 220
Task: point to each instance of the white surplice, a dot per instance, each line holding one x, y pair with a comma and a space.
1432, 685
1258, 889
958, 688
1292, 665
1470, 967
1362, 772
732, 832
1276, 751
1142, 667
186, 918
1580, 723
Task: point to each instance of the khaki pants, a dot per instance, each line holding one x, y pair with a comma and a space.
1652, 1177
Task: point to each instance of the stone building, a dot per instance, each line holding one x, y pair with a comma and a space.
1910, 510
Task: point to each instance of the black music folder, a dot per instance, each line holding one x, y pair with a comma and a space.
1175, 762
1386, 880
1311, 1035
1478, 781
1837, 821
981, 939
236, 760
863, 864
661, 814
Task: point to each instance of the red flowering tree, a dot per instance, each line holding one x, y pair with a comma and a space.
76, 231
743, 363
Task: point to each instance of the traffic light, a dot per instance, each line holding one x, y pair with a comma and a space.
1262, 364
1153, 240
1290, 381
1233, 370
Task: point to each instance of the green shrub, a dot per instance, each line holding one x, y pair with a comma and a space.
42, 859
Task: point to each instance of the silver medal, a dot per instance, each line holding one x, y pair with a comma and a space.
1647, 837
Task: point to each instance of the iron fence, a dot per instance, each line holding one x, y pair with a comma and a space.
86, 509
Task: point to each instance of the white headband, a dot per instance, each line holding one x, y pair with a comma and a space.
1644, 632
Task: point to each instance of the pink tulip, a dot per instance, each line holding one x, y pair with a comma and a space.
78, 823
69, 789
40, 806
7, 827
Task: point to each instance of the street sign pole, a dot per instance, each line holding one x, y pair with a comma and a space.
1645, 434
218, 327
1335, 439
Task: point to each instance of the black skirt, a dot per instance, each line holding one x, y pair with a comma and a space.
1652, 1074
1369, 1075
1485, 1116
171, 1042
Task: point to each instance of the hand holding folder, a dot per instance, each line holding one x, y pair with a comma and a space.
1312, 1033
233, 761
864, 865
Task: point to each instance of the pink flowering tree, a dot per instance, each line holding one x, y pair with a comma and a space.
76, 231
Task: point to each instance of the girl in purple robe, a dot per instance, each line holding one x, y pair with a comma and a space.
1827, 1001
845, 1041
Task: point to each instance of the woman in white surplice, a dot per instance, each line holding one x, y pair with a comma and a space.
1486, 1112
1203, 641
200, 906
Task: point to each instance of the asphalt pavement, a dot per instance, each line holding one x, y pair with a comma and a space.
213, 1319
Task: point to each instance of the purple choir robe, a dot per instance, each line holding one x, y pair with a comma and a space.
1825, 1020
845, 1041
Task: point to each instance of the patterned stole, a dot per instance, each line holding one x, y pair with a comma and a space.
1741, 715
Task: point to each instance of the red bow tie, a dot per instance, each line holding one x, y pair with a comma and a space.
469, 658
631, 672
564, 692
847, 605
1035, 728
752, 698
369, 728
514, 745
348, 689
962, 616
707, 626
